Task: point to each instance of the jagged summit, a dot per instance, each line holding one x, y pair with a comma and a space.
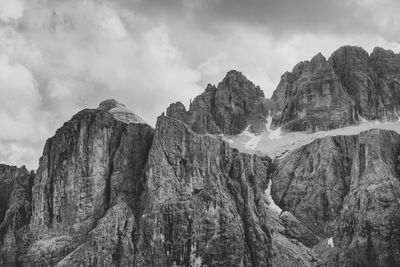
349, 87
229, 108
120, 112
109, 192
235, 75
108, 104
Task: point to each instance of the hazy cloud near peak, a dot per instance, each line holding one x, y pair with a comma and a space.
59, 56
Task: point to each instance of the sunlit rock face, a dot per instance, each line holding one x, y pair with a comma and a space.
348, 87
235, 104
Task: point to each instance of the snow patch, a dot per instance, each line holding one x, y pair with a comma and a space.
253, 141
246, 132
330, 242
265, 144
273, 134
272, 204
361, 118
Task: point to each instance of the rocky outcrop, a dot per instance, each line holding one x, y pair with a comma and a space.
350, 86
231, 107
93, 162
346, 188
205, 205
15, 211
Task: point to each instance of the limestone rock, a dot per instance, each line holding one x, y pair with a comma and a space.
346, 189
120, 112
350, 86
93, 162
109, 243
231, 107
15, 211
203, 204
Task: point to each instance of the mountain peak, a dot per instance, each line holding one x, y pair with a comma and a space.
120, 112
235, 75
108, 104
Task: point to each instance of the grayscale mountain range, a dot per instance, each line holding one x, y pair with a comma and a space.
310, 177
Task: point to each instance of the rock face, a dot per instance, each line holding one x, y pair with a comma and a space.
94, 162
346, 188
231, 107
109, 194
15, 211
205, 205
200, 202
350, 86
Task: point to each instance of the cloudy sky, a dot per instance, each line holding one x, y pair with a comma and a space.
59, 56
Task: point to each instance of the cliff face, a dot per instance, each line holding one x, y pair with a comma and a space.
15, 211
231, 107
200, 202
350, 86
346, 188
205, 204
92, 165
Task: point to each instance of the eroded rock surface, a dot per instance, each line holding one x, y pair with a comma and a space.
204, 204
348, 87
15, 211
235, 104
92, 163
346, 188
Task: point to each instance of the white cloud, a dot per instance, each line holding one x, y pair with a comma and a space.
72, 55
11, 10
23, 124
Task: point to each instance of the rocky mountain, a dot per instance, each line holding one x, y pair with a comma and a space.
235, 104
112, 191
348, 87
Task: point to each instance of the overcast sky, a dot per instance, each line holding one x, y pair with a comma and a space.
60, 56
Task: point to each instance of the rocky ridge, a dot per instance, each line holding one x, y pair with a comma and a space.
112, 191
231, 107
349, 87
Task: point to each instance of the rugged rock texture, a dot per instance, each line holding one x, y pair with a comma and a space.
197, 202
312, 181
350, 86
204, 204
15, 211
231, 107
91, 164
111, 191
346, 187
